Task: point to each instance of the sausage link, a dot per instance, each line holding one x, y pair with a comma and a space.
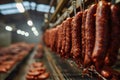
63, 39
101, 35
115, 32
59, 39
54, 38
83, 32
76, 37
68, 38
110, 74
90, 35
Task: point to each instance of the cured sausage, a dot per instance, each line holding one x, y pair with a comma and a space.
115, 32
51, 38
110, 74
90, 34
63, 38
68, 38
76, 37
101, 35
59, 39
54, 38
83, 32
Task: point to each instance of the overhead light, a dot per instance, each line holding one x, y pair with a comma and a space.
30, 23
33, 4
22, 33
20, 7
45, 8
33, 29
8, 28
18, 31
26, 34
36, 33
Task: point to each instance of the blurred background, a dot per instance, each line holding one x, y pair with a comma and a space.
22, 20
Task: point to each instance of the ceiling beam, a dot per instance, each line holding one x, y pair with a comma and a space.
59, 7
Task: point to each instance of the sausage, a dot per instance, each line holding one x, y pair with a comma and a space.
51, 38
59, 39
54, 38
115, 32
48, 38
101, 34
90, 34
68, 38
63, 39
28, 77
83, 32
110, 74
3, 69
76, 37
37, 64
44, 76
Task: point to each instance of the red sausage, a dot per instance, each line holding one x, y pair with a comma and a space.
54, 38
101, 35
90, 34
63, 38
110, 74
83, 32
59, 39
76, 37
68, 38
115, 32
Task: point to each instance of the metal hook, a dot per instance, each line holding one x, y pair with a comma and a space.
68, 13
81, 5
74, 6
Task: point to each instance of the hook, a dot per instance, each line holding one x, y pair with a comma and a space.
81, 5
74, 6
68, 13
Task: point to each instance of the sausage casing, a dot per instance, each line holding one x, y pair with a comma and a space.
115, 32
101, 34
68, 38
76, 37
90, 35
83, 31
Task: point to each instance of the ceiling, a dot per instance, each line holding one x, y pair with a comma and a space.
19, 20
37, 1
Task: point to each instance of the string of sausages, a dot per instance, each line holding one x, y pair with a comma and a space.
90, 38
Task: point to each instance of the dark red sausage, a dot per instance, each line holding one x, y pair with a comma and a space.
90, 34
68, 38
59, 39
83, 32
76, 37
101, 35
47, 35
63, 38
50, 38
115, 32
56, 39
110, 74
53, 38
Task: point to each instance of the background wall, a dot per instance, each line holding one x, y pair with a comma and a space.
5, 37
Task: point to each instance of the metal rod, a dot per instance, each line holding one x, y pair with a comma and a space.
68, 13
81, 5
74, 6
